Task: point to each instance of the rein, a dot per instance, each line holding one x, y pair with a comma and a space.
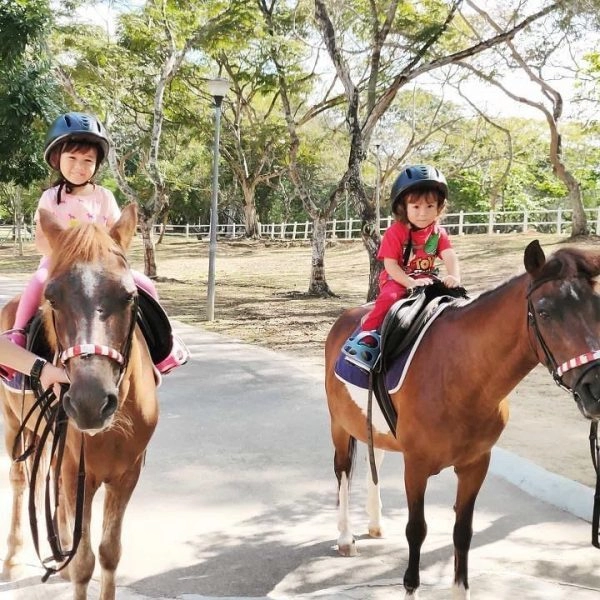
56, 421
595, 451
557, 371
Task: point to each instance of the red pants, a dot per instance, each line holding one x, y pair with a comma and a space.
389, 293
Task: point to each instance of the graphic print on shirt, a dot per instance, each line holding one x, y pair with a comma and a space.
423, 255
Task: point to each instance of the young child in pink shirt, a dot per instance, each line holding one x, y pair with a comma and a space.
76, 145
409, 249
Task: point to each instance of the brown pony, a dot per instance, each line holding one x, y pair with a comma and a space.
452, 407
89, 314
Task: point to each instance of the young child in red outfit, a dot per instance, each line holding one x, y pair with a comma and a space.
409, 250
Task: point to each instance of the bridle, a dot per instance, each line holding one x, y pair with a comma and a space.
592, 359
51, 424
85, 350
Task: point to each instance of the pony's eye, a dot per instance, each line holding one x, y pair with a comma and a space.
543, 314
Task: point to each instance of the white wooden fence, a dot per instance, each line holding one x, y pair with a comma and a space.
461, 223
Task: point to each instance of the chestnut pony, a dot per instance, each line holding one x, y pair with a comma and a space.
89, 313
452, 407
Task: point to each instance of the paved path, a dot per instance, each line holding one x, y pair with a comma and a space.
237, 501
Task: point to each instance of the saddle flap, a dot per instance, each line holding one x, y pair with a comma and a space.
155, 326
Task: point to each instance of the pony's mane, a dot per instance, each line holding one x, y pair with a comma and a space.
568, 263
563, 264
88, 243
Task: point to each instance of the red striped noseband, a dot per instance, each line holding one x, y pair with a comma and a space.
578, 361
90, 350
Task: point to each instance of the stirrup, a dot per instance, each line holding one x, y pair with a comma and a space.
178, 356
363, 349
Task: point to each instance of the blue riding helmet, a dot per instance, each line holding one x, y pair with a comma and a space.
76, 127
417, 176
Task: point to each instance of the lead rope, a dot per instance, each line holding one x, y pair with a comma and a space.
595, 451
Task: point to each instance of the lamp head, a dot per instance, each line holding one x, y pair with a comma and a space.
218, 87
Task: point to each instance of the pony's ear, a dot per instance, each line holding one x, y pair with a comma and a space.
50, 227
124, 229
534, 258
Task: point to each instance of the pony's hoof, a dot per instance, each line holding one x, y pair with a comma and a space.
347, 549
375, 532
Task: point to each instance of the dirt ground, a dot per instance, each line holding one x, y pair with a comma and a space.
261, 299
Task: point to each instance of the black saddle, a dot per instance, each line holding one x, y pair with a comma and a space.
401, 326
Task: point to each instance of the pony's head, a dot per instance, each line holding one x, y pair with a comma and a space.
564, 318
90, 313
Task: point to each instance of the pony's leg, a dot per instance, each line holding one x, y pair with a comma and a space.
374, 497
345, 450
415, 483
116, 499
470, 479
81, 567
18, 482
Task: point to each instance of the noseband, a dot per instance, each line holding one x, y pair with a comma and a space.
557, 371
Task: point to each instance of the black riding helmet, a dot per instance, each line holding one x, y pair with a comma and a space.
417, 176
75, 127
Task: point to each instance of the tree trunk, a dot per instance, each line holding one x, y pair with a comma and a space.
146, 228
251, 218
579, 224
318, 284
18, 207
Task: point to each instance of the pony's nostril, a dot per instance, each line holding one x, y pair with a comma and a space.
110, 406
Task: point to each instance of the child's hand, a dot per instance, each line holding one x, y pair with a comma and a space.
51, 375
421, 281
451, 281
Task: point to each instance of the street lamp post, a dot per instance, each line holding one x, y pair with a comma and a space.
218, 89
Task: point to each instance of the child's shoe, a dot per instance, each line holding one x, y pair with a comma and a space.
17, 336
363, 349
178, 356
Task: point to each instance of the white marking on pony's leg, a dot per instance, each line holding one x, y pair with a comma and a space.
346, 545
460, 593
374, 497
